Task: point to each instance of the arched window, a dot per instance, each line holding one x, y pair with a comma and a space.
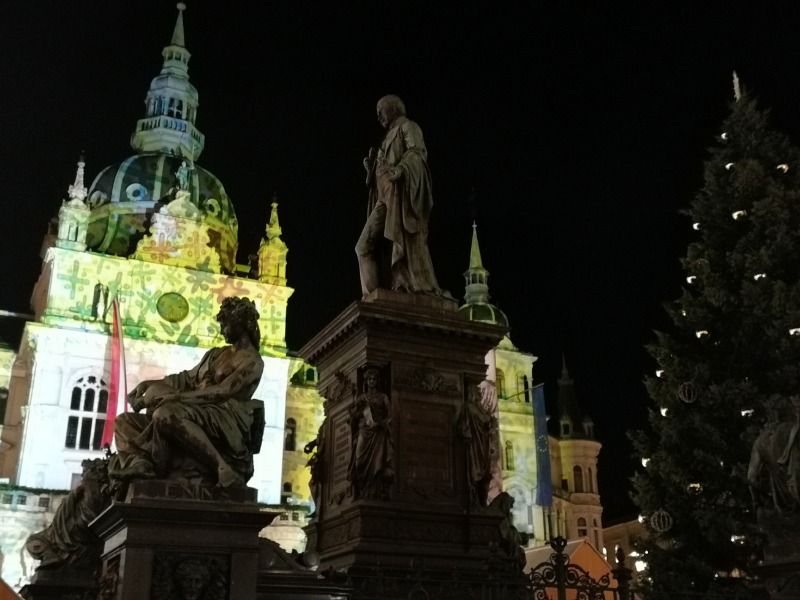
500, 383
509, 456
311, 375
577, 477
590, 480
172, 108
88, 405
289, 436
526, 388
582, 530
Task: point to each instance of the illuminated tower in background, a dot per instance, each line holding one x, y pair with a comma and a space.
574, 468
576, 510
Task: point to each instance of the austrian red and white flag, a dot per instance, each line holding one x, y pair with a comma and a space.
118, 388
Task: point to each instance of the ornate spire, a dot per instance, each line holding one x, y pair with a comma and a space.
737, 88
573, 425
178, 38
272, 251
73, 216
567, 403
476, 305
78, 191
172, 101
477, 288
274, 227
475, 261
564, 372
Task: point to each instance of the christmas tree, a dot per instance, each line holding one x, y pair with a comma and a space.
733, 353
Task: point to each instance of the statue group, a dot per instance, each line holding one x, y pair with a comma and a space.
201, 427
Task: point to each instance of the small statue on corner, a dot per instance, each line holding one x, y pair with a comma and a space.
67, 543
182, 175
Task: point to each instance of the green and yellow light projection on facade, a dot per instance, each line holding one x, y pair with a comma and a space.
159, 232
161, 303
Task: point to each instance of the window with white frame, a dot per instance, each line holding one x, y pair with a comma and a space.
88, 405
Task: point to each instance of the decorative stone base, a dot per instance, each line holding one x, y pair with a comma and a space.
418, 534
445, 304
168, 539
371, 533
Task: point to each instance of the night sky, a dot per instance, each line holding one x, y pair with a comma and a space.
573, 136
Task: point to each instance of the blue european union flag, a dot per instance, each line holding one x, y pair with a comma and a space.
544, 482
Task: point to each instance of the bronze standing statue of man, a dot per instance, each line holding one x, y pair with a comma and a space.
400, 202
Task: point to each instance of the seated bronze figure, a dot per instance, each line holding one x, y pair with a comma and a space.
198, 425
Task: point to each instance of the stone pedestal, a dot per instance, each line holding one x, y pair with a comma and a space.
425, 526
63, 584
169, 537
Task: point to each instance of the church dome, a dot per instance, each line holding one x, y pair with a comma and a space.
123, 198
484, 313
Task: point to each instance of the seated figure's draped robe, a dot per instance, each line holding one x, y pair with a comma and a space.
224, 412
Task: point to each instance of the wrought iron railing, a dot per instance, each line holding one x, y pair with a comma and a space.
556, 576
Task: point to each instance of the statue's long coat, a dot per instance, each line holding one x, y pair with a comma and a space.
408, 205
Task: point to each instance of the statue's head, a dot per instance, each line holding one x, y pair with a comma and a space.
239, 316
95, 474
192, 578
389, 109
474, 394
371, 378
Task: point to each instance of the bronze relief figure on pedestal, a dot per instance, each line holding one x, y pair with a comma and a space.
371, 472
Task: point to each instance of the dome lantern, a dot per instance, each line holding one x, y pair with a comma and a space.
171, 104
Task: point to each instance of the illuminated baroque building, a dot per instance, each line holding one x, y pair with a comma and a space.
158, 232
